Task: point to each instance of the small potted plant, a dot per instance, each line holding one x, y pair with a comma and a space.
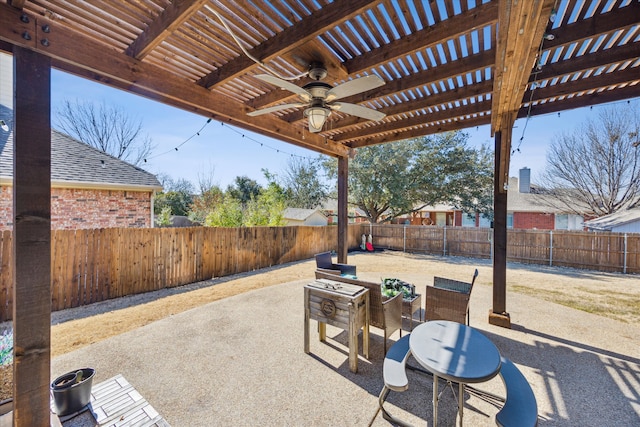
391, 287
72, 391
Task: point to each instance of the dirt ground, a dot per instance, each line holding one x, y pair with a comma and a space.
607, 294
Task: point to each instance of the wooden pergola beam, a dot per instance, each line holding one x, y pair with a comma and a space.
419, 80
469, 109
521, 27
588, 61
72, 53
615, 19
425, 129
430, 36
599, 82
421, 40
290, 38
160, 28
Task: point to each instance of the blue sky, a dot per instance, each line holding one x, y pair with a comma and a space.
224, 150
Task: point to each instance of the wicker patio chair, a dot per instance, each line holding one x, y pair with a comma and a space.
325, 263
448, 299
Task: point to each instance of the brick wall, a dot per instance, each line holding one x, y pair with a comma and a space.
531, 220
78, 208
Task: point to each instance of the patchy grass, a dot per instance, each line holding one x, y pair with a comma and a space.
621, 306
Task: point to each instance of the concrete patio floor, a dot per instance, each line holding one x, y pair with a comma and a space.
240, 361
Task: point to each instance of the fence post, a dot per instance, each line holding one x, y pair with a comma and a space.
404, 239
444, 241
624, 268
550, 248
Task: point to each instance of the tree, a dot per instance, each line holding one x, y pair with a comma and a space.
390, 180
177, 195
244, 189
597, 168
225, 214
107, 128
267, 209
303, 183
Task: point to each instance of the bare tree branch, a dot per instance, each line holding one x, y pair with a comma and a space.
106, 128
597, 168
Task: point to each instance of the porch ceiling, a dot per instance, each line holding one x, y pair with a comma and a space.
447, 64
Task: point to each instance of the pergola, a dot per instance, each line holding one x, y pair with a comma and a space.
447, 65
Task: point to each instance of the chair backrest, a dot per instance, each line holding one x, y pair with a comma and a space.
323, 260
445, 304
392, 309
473, 279
452, 285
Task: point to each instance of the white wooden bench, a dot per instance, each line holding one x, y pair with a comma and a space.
395, 376
520, 409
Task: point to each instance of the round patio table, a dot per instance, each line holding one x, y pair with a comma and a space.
455, 352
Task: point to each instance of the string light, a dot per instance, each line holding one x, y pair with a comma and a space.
262, 144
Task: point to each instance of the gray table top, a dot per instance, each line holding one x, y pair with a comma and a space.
454, 351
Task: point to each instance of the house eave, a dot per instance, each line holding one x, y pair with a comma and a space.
86, 185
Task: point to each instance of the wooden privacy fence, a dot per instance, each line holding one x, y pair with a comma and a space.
94, 265
614, 252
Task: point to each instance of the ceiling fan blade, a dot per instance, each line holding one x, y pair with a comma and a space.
354, 86
357, 110
276, 81
276, 108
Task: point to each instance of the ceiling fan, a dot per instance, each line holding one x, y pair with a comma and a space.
318, 97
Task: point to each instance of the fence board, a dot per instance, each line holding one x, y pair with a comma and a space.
6, 276
95, 265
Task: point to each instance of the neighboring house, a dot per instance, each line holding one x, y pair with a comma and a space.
354, 214
527, 208
89, 189
624, 221
298, 216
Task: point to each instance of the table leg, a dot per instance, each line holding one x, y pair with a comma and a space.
322, 331
435, 400
460, 401
307, 315
365, 332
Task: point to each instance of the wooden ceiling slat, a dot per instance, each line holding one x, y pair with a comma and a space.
436, 64
428, 37
424, 131
382, 21
416, 105
417, 120
161, 27
370, 42
618, 18
289, 38
264, 8
594, 82
595, 98
427, 77
120, 70
408, 17
588, 61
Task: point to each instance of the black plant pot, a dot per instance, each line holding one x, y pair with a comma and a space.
69, 394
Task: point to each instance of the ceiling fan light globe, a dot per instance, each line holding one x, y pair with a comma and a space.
316, 116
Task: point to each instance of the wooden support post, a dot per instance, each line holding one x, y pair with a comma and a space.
343, 218
498, 314
31, 238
